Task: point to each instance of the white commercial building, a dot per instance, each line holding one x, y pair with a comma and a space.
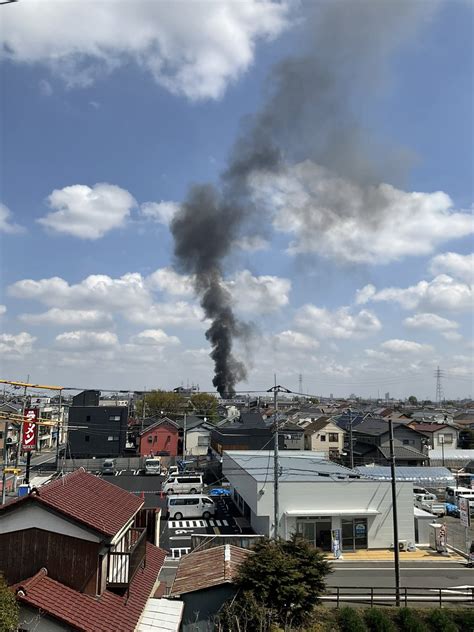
317, 497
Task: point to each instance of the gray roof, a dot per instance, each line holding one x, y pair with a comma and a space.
296, 467
424, 475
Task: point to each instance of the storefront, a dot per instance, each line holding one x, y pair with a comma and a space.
318, 530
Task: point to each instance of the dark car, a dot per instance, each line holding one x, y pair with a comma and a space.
108, 468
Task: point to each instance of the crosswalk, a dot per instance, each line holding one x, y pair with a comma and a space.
196, 524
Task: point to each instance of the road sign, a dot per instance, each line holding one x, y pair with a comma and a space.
464, 512
30, 429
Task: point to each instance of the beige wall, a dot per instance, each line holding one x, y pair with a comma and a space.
313, 442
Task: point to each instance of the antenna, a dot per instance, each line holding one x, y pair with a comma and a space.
300, 383
439, 374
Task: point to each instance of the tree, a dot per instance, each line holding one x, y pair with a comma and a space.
164, 404
9, 608
412, 400
284, 578
204, 404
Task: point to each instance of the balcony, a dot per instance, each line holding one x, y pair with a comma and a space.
126, 558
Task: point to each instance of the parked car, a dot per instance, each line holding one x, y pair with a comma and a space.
452, 510
190, 506
153, 465
108, 468
430, 504
183, 484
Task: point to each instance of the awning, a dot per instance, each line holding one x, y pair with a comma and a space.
332, 512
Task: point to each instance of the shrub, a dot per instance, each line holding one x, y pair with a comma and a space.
442, 621
379, 621
350, 620
463, 618
409, 621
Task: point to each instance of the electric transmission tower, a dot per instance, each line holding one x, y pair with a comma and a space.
300, 383
439, 374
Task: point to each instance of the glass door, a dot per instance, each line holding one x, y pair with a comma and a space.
354, 534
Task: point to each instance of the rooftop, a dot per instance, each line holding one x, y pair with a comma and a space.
422, 475
108, 613
296, 466
90, 500
211, 567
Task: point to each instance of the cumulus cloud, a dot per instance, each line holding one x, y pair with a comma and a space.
16, 345
161, 212
441, 293
82, 339
155, 337
68, 318
88, 213
171, 282
337, 218
452, 336
405, 346
179, 313
6, 225
430, 321
252, 243
340, 323
258, 294
194, 49
456, 265
296, 340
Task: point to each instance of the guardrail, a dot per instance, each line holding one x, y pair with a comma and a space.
387, 596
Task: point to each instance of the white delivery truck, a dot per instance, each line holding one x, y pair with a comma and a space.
190, 506
183, 484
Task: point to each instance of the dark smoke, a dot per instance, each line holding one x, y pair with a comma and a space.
310, 114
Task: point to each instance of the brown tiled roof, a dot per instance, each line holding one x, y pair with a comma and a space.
421, 427
211, 567
317, 424
108, 613
94, 502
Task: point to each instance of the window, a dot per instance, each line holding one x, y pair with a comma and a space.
322, 437
408, 442
112, 438
203, 441
87, 438
333, 437
445, 438
88, 418
150, 439
114, 418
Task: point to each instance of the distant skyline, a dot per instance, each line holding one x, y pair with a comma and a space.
354, 264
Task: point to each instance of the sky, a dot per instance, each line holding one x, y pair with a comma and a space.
352, 262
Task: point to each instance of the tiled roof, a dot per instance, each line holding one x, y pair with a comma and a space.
429, 427
108, 613
211, 567
90, 500
404, 452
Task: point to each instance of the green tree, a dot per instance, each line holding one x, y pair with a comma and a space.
412, 400
9, 608
164, 404
205, 405
285, 578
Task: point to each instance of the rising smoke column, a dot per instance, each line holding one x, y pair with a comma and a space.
307, 116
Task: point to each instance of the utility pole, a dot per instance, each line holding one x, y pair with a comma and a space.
4, 475
184, 437
276, 459
58, 429
394, 514
351, 445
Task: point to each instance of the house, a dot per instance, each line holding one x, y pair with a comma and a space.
204, 581
99, 431
438, 434
74, 555
9, 432
318, 499
161, 438
198, 435
324, 435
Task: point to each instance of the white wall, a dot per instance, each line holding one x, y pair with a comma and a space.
192, 439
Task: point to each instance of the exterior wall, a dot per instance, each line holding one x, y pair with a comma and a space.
70, 561
292, 440
103, 435
445, 434
196, 437
202, 606
314, 442
163, 438
33, 621
401, 434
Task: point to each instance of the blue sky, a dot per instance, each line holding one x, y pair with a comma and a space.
151, 105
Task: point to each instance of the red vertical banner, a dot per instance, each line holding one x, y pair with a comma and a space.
30, 430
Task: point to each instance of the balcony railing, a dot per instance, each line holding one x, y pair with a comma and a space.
124, 563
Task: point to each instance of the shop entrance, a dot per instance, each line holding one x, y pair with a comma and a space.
354, 534
316, 530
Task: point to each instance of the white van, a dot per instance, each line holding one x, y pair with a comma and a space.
183, 484
153, 465
452, 493
187, 506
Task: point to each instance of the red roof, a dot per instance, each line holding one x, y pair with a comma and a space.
94, 502
108, 613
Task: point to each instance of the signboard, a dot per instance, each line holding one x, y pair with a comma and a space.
442, 537
464, 511
336, 543
30, 430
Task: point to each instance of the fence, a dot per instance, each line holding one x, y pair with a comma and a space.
380, 596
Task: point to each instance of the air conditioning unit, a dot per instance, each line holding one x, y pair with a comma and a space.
403, 545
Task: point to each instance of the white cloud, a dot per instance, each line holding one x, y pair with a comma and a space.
405, 346
169, 281
340, 323
45, 88
86, 340
88, 213
364, 295
5, 221
258, 294
430, 321
252, 243
68, 318
180, 313
295, 340
19, 344
456, 265
3, 310
442, 293
155, 337
195, 49
336, 218
452, 336
161, 212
